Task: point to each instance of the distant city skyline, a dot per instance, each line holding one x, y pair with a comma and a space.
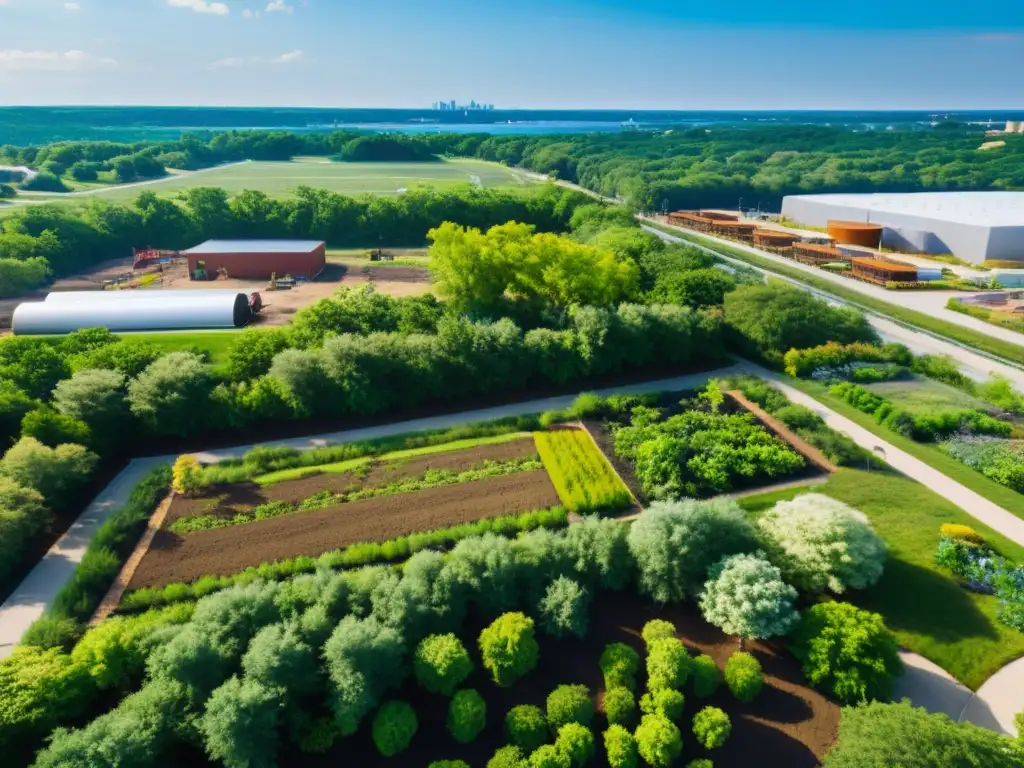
556, 54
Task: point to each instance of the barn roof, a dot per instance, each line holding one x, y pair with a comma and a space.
255, 246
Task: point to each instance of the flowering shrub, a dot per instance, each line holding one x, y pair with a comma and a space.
999, 460
802, 362
961, 532
984, 570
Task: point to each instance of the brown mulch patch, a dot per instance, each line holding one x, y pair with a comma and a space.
397, 274
787, 726
225, 501
173, 557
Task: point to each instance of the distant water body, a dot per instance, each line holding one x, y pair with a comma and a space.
20, 125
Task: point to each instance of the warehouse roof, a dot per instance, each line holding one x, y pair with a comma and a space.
994, 209
888, 266
255, 246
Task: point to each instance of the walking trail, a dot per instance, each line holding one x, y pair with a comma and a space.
925, 684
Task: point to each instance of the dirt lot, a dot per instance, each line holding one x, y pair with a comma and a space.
174, 557
788, 725
279, 306
225, 501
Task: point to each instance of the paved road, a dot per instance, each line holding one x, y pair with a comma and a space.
927, 302
971, 363
36, 593
998, 700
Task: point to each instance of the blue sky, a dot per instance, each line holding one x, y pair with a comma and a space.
635, 54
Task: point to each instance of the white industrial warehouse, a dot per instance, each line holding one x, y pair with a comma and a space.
973, 226
132, 311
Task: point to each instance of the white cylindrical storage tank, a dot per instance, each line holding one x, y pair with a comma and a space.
68, 297
172, 313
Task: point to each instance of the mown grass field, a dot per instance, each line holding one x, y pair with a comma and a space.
217, 344
281, 179
929, 612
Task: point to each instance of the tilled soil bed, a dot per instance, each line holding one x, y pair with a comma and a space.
225, 501
174, 557
788, 726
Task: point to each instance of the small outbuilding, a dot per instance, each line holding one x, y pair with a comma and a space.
257, 259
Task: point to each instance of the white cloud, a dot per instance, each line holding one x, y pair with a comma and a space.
51, 61
227, 63
286, 58
201, 6
248, 13
72, 6
278, 6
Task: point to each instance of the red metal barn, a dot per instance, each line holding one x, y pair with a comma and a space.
258, 259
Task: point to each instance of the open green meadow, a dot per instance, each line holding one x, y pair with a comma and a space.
281, 179
925, 396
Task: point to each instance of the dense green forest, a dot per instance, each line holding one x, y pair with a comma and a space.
650, 170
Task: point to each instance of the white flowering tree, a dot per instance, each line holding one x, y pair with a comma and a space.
746, 596
820, 543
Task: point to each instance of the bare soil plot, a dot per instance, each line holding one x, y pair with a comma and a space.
787, 726
174, 557
225, 501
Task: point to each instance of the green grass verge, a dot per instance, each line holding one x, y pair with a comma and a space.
923, 396
352, 556
217, 344
582, 476
929, 453
980, 341
349, 465
929, 612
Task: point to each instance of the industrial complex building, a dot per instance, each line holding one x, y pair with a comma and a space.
257, 259
973, 226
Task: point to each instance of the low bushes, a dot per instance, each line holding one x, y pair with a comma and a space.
619, 705
563, 610
620, 747
576, 742
803, 363
712, 727
509, 648
441, 663
526, 727
668, 664
663, 701
110, 546
23, 518
355, 555
393, 727
582, 476
999, 460
569, 704
658, 741
467, 715
619, 664
920, 427
962, 552
698, 453
847, 652
706, 676
743, 676
838, 448
746, 596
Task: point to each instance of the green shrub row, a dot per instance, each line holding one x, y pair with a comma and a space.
110, 547
352, 556
920, 427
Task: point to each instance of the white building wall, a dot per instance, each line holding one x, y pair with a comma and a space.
923, 234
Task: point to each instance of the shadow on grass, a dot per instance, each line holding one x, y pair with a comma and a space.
916, 599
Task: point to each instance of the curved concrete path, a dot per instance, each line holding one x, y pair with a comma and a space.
928, 685
1000, 697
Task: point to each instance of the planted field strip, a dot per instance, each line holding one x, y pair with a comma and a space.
585, 481
350, 465
225, 551
353, 556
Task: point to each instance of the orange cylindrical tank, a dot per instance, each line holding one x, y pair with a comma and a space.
856, 233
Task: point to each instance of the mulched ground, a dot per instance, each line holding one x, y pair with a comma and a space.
225, 501
788, 725
174, 557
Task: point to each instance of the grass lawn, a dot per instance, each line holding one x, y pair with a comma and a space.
296, 473
929, 612
975, 339
356, 257
281, 179
923, 396
215, 343
929, 453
